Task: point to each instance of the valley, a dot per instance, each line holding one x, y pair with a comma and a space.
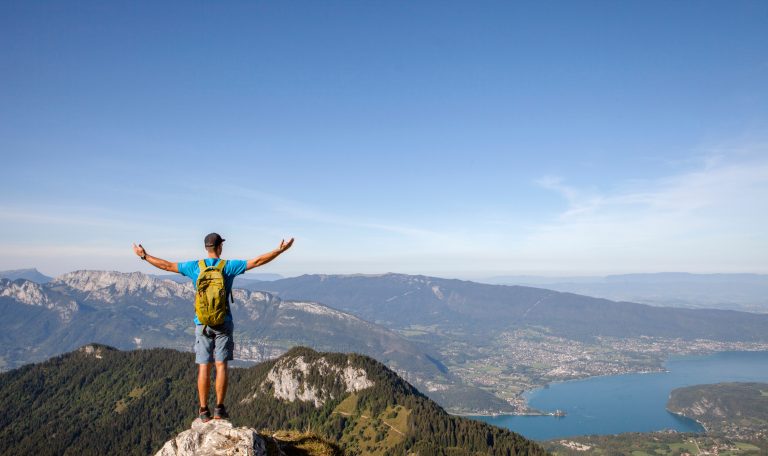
526, 359
474, 348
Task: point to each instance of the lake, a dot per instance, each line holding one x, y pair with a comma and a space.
631, 402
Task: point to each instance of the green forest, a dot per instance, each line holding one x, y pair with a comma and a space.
102, 400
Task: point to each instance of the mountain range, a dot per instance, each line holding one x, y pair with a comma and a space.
136, 311
417, 325
33, 275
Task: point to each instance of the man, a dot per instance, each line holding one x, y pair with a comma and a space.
213, 343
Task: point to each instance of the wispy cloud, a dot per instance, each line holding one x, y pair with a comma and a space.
16, 215
712, 217
304, 212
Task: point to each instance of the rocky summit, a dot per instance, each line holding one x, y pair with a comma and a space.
215, 438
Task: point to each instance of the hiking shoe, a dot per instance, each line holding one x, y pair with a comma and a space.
205, 414
220, 413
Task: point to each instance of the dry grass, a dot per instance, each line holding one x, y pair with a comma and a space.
295, 443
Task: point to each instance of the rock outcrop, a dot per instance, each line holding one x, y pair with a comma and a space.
215, 438
288, 380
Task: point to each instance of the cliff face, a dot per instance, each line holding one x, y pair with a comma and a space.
286, 380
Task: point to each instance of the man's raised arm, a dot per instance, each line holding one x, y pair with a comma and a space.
154, 261
267, 257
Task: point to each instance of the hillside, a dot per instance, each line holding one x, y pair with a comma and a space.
472, 309
736, 410
98, 400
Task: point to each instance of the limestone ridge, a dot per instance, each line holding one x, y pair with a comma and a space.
215, 438
33, 294
110, 286
288, 380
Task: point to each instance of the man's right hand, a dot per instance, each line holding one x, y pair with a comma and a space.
285, 245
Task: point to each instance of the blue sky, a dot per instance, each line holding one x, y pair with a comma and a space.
460, 139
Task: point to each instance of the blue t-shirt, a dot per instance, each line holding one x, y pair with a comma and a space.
232, 269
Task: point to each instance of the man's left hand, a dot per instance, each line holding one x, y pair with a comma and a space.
139, 250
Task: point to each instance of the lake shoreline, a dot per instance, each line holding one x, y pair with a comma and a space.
527, 392
631, 402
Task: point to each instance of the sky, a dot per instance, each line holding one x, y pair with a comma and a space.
456, 139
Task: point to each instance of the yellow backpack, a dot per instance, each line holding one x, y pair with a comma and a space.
212, 294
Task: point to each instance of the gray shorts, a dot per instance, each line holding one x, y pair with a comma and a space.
215, 344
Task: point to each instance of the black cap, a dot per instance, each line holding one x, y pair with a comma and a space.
213, 240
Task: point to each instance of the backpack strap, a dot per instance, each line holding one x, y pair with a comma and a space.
220, 267
202, 265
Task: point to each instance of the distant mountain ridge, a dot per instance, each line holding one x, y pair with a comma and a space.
646, 277
745, 292
399, 301
30, 274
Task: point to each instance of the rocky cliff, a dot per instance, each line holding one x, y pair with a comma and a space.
221, 438
216, 437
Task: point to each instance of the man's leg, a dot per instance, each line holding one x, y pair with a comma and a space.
204, 361
221, 382
204, 383
223, 351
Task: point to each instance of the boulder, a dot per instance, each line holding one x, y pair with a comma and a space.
215, 438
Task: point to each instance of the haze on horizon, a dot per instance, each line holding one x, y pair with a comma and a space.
445, 139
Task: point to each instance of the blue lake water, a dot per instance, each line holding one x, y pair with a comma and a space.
632, 402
